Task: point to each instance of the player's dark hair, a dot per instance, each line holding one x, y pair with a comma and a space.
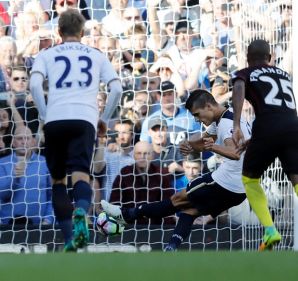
71, 23
259, 49
199, 98
193, 157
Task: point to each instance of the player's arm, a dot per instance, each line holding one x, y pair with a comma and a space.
238, 95
113, 99
227, 150
195, 143
36, 89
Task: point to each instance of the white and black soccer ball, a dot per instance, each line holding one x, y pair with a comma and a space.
107, 225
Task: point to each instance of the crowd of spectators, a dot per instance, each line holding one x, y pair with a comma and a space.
161, 49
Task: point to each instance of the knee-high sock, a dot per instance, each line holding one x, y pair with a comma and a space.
182, 230
296, 188
257, 200
63, 210
82, 194
160, 209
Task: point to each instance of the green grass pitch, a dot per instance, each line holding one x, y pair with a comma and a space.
154, 266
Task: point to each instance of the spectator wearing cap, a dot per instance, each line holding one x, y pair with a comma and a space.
188, 60
165, 154
142, 182
180, 122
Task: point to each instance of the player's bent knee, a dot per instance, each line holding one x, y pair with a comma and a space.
179, 197
79, 176
193, 212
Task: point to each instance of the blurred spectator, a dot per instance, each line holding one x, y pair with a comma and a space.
150, 82
114, 23
180, 122
166, 70
165, 154
162, 21
92, 33
192, 168
59, 6
8, 52
142, 182
117, 155
9, 120
25, 183
186, 59
3, 28
22, 98
101, 101
136, 108
138, 58
40, 40
132, 17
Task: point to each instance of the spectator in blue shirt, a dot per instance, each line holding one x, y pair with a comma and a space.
25, 185
193, 167
180, 122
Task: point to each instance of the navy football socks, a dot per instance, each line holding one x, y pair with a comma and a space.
160, 209
181, 231
63, 210
82, 194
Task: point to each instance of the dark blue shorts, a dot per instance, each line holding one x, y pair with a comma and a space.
209, 198
68, 146
262, 151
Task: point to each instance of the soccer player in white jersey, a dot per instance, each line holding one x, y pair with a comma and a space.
74, 72
209, 194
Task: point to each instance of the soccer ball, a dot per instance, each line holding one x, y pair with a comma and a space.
107, 225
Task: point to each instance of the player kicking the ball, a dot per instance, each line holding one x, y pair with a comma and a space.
209, 194
74, 72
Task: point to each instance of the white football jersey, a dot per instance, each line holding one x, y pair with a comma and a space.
229, 173
74, 72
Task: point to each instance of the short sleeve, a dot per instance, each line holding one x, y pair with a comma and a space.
241, 74
226, 129
39, 65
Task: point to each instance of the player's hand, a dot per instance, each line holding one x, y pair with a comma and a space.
238, 137
242, 147
208, 143
185, 148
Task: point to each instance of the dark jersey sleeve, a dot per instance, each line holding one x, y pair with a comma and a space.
269, 90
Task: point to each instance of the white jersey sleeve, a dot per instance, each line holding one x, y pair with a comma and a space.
40, 65
228, 174
74, 72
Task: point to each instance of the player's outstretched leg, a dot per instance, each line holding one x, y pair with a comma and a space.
113, 211
160, 209
80, 228
181, 231
271, 237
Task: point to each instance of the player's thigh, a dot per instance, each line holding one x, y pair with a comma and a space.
56, 143
288, 154
214, 199
259, 155
180, 199
80, 147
